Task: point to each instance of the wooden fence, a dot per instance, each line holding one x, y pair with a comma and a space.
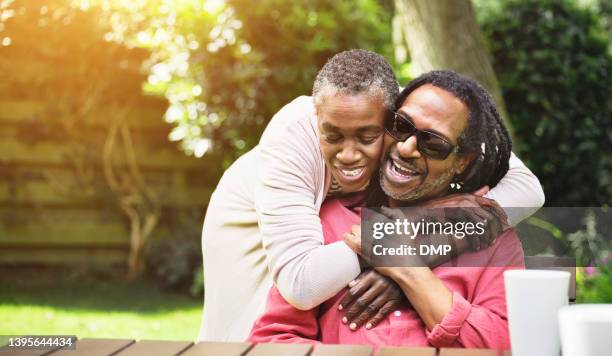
55, 203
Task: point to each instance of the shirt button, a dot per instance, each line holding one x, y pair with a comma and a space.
397, 313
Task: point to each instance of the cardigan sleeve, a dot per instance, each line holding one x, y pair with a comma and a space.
282, 323
287, 200
519, 192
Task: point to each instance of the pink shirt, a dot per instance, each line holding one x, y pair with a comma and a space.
477, 318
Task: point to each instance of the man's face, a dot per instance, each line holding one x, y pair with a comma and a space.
351, 137
406, 175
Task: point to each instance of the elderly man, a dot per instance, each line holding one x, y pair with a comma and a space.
262, 223
444, 122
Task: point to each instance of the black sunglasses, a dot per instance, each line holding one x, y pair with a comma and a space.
429, 144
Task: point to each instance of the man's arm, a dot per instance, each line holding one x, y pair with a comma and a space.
287, 200
450, 318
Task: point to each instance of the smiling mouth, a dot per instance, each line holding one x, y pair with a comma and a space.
402, 170
352, 173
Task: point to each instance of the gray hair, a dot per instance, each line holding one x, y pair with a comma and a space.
357, 71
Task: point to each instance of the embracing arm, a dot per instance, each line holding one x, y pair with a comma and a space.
519, 192
282, 323
287, 200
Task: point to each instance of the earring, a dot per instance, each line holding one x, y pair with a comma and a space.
456, 183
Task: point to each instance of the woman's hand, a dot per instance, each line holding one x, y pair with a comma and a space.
370, 298
353, 239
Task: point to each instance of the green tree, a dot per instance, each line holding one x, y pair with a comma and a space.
226, 68
552, 61
445, 35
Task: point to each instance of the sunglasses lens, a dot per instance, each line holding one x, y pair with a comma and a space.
429, 144
433, 146
400, 127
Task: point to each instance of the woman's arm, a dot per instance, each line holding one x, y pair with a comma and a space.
282, 323
287, 200
519, 192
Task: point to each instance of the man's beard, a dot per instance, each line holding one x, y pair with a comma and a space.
422, 190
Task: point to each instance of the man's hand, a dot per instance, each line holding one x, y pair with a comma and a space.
477, 209
370, 298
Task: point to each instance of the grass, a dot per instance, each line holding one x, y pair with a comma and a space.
64, 302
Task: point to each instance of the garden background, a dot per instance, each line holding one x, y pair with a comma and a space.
117, 118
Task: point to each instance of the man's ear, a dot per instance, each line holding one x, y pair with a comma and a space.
464, 162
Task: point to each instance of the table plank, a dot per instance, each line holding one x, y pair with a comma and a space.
280, 350
94, 347
154, 347
406, 351
217, 349
342, 350
469, 352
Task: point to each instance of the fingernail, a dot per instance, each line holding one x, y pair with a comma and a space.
340, 307
368, 326
344, 320
353, 326
352, 283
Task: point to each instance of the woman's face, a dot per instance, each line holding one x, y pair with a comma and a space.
351, 137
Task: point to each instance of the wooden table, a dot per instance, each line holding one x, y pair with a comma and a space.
126, 347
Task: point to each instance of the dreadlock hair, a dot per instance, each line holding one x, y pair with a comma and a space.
485, 134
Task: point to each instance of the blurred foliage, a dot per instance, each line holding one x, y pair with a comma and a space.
589, 244
197, 285
84, 95
175, 261
594, 285
604, 8
582, 233
227, 67
552, 62
592, 247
